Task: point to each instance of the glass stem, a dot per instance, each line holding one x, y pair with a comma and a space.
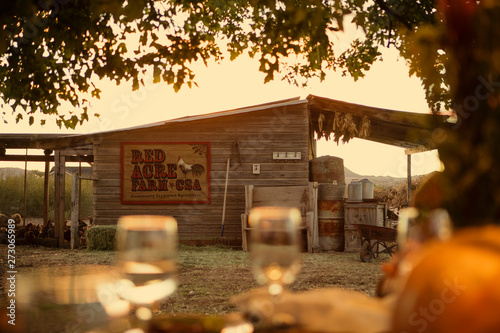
144, 315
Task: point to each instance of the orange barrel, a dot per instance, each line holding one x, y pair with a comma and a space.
327, 169
331, 217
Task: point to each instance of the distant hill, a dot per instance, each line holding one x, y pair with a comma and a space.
385, 181
349, 175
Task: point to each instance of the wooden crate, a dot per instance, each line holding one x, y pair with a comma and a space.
361, 213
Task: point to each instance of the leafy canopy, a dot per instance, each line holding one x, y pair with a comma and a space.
53, 51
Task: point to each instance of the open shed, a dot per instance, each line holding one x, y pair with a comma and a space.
179, 167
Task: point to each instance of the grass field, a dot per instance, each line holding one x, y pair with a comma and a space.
209, 276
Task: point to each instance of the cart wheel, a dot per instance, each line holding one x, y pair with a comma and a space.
393, 249
366, 253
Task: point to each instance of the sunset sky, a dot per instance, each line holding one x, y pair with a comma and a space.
234, 84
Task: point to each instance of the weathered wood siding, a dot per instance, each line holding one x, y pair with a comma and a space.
255, 134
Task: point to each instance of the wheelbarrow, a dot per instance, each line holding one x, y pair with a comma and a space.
376, 240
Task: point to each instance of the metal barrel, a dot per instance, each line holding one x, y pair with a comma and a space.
327, 169
331, 217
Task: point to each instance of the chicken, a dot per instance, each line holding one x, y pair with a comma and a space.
45, 229
83, 238
67, 232
196, 169
51, 231
29, 235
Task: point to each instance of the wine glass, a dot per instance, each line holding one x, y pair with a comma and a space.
147, 250
417, 226
61, 298
275, 246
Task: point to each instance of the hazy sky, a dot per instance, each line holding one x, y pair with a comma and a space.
238, 83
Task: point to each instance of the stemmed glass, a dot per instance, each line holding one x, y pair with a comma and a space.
416, 226
147, 251
275, 246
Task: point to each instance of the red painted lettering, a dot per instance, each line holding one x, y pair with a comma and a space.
171, 171
134, 185
188, 184
162, 185
196, 186
147, 171
159, 156
160, 171
148, 155
151, 185
142, 186
136, 156
179, 184
136, 174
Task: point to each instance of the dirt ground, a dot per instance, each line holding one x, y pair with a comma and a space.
209, 276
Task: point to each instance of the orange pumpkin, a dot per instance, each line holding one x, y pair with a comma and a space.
454, 286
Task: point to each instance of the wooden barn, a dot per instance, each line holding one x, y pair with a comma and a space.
196, 168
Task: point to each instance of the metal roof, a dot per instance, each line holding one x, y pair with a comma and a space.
57, 141
397, 128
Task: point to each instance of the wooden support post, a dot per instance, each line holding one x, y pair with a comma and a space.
75, 204
315, 227
79, 186
47, 152
25, 186
60, 171
408, 174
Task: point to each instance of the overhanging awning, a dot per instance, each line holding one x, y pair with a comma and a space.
342, 121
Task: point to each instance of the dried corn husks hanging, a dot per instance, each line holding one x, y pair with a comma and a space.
364, 130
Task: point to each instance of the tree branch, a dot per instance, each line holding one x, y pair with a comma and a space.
400, 18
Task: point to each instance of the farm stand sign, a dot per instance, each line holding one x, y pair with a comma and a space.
165, 172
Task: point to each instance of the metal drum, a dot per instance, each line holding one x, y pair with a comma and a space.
331, 217
367, 189
327, 169
354, 191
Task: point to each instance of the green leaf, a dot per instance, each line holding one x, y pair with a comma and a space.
92, 38
122, 48
156, 74
135, 83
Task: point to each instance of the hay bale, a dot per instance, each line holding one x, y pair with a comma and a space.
101, 237
4, 219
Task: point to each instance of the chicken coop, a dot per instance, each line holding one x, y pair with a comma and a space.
196, 168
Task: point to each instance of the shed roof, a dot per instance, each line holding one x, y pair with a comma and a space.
344, 121
57, 141
397, 128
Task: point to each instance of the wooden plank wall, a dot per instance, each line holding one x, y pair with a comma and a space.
247, 138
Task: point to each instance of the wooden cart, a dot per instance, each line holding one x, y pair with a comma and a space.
373, 238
